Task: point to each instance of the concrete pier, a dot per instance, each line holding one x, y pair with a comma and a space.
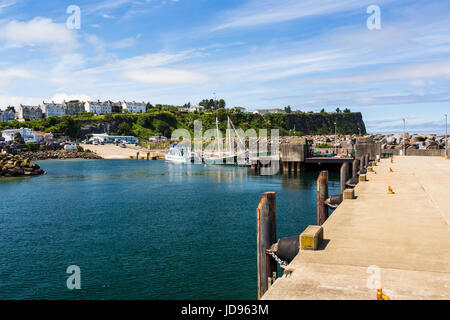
403, 237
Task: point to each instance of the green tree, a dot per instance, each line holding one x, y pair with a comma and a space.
163, 128
212, 104
108, 118
347, 110
288, 109
205, 104
338, 110
222, 104
124, 129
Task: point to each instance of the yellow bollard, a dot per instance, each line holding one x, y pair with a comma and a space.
390, 191
390, 170
392, 159
381, 296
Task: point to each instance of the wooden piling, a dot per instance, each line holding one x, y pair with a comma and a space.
322, 195
294, 167
266, 233
344, 176
355, 165
137, 156
148, 156
361, 163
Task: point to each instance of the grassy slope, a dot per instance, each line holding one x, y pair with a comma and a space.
164, 122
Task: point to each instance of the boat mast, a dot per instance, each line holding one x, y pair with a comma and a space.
218, 136
237, 133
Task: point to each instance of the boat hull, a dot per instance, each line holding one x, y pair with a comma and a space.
175, 159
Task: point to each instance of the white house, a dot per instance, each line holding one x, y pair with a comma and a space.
191, 109
268, 111
29, 112
7, 116
53, 109
195, 108
103, 137
27, 134
240, 109
45, 137
98, 107
74, 107
134, 107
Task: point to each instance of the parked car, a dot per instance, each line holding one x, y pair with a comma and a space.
123, 145
70, 147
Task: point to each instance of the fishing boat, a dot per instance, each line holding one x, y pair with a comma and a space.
179, 153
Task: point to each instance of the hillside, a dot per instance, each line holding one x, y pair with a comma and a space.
164, 122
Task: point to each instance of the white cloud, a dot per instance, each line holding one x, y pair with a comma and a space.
16, 101
95, 42
37, 32
260, 12
150, 60
125, 43
165, 76
5, 4
15, 73
11, 74
60, 97
108, 5
408, 72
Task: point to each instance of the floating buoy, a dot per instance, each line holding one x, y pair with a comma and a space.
381, 296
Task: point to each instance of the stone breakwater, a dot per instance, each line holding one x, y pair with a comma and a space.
16, 166
387, 141
59, 155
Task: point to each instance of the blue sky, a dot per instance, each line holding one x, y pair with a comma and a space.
254, 53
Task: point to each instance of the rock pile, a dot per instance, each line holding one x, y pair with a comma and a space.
59, 155
416, 141
16, 166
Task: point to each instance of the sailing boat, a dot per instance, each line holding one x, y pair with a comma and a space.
224, 157
217, 156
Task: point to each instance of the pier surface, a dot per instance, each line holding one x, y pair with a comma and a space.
406, 235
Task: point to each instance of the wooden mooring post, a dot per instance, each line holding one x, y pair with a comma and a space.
322, 195
355, 165
361, 163
344, 176
137, 156
266, 233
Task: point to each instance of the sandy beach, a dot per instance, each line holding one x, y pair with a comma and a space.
111, 151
